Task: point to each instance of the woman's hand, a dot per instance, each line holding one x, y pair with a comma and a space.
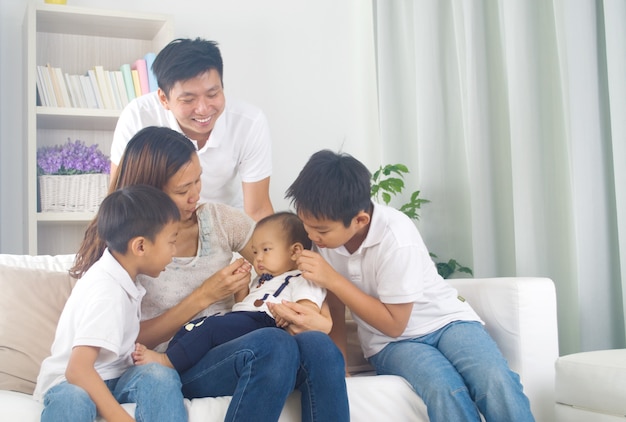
296, 318
224, 283
220, 285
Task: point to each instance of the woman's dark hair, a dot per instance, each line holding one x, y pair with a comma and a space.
333, 186
183, 59
133, 211
151, 158
292, 225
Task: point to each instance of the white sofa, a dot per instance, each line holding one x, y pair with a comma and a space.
520, 314
591, 386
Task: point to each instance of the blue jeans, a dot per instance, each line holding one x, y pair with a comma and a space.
260, 369
154, 388
458, 371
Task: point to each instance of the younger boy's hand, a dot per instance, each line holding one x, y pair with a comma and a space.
315, 268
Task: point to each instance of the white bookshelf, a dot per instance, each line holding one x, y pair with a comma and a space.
75, 39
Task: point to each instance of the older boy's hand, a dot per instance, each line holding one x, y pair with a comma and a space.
315, 268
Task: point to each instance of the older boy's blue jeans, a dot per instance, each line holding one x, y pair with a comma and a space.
260, 369
153, 387
458, 371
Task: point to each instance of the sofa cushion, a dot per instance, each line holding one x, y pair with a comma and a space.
27, 332
594, 381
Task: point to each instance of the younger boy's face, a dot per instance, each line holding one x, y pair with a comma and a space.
160, 252
329, 233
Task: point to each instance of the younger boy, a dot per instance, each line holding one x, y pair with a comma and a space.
411, 323
90, 371
277, 241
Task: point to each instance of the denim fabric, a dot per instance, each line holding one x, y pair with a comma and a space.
458, 371
321, 379
154, 388
260, 370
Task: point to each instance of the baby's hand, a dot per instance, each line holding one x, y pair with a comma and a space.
244, 268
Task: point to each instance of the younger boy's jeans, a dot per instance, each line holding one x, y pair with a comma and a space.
154, 388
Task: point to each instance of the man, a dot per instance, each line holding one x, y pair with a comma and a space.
232, 138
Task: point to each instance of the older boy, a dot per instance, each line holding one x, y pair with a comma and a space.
411, 323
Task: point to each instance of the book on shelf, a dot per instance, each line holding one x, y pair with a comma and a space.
65, 94
113, 90
104, 86
42, 90
90, 96
96, 88
80, 92
55, 86
121, 86
128, 81
71, 90
135, 75
47, 86
140, 66
152, 82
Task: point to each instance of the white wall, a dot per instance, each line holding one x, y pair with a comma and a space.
308, 64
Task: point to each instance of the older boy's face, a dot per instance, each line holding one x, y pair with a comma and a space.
328, 233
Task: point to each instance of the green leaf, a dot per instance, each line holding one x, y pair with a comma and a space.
388, 181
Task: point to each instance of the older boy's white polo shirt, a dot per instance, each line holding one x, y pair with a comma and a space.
239, 148
393, 265
102, 311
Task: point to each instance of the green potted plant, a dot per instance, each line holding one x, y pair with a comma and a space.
387, 182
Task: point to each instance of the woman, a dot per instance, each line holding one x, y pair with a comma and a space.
260, 369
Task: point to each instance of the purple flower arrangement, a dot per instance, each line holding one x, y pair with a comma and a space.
71, 158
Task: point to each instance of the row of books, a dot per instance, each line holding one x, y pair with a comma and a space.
97, 88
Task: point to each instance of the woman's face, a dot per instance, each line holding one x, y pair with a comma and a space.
184, 187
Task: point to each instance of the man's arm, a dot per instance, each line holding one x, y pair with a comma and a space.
256, 199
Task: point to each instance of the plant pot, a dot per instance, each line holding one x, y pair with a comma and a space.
72, 193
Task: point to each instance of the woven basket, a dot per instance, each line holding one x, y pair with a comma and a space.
75, 193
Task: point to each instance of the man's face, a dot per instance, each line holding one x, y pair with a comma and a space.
196, 103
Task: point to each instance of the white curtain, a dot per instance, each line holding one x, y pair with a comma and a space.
511, 116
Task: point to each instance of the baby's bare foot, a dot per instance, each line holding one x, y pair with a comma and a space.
142, 355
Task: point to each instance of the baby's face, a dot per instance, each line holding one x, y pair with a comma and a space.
272, 253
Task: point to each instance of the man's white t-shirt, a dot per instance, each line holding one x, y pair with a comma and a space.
393, 265
239, 148
102, 311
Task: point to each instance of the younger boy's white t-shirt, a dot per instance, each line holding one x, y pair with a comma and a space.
393, 265
102, 311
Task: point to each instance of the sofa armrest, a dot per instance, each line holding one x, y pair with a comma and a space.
520, 315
